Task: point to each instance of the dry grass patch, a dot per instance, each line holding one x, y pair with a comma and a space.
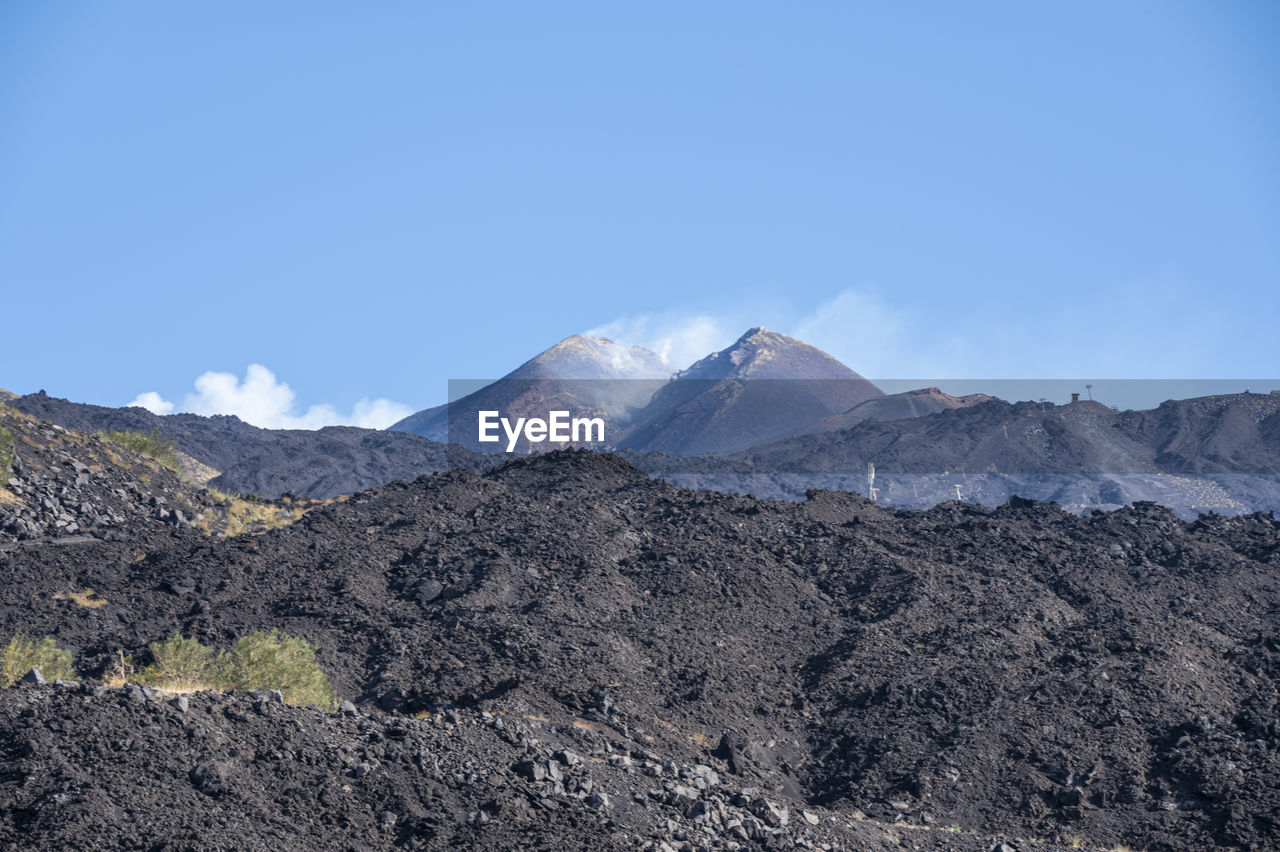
9, 411
116, 459
195, 472
245, 515
122, 671
88, 599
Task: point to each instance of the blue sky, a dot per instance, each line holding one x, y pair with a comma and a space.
371, 200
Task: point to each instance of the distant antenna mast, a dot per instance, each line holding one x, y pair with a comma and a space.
1089, 388
958, 497
871, 480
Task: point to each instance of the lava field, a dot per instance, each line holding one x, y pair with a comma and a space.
961, 677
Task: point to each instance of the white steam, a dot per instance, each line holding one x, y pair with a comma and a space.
677, 339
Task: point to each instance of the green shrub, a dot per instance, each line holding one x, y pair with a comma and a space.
23, 654
162, 448
183, 664
259, 661
275, 661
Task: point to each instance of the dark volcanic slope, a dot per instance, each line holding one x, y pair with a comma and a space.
322, 463
1021, 670
1235, 433
896, 406
1220, 453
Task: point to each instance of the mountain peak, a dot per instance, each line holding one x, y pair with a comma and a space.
581, 356
592, 376
763, 354
719, 404
580, 341
760, 336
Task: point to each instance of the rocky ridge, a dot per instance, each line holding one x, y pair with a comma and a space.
245, 459
63, 487
59, 483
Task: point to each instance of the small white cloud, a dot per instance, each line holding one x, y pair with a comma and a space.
263, 400
378, 413
260, 399
152, 402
